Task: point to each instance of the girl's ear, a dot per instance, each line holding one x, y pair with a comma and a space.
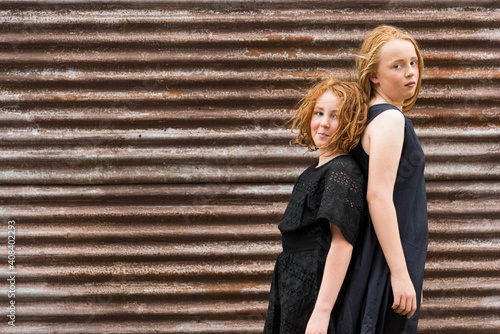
373, 78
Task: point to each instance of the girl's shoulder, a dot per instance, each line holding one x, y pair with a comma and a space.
382, 118
345, 164
385, 114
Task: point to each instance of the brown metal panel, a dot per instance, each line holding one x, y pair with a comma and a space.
144, 161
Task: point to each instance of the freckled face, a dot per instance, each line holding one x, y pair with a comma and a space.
397, 72
324, 119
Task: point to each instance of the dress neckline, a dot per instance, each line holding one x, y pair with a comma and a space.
385, 104
316, 167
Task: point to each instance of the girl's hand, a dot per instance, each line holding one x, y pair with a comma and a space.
405, 297
318, 322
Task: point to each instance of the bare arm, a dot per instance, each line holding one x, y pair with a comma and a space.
337, 262
386, 136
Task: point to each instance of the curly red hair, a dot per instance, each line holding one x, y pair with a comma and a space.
351, 116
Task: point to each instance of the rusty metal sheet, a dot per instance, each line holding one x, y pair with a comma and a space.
144, 161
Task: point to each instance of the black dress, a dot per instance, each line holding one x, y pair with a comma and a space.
332, 193
369, 297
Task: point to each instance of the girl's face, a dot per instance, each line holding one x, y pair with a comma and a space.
324, 119
397, 72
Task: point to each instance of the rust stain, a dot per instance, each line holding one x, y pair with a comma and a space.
254, 52
69, 97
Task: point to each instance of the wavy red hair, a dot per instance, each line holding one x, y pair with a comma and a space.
351, 116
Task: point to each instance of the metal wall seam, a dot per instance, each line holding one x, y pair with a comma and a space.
144, 161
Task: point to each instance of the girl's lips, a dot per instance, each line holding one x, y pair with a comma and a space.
410, 84
323, 135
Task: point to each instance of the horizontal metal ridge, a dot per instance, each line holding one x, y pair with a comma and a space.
277, 76
109, 19
439, 268
277, 37
107, 138
248, 324
463, 230
434, 290
243, 5
155, 249
219, 193
437, 288
65, 174
95, 233
443, 307
465, 324
225, 309
239, 57
473, 228
459, 171
152, 250
143, 291
70, 311
284, 95
60, 173
439, 208
189, 270
453, 191
465, 249
160, 194
92, 154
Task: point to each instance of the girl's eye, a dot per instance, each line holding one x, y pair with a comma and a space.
397, 66
413, 63
318, 113
334, 116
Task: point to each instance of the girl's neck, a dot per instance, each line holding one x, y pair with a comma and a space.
323, 159
381, 98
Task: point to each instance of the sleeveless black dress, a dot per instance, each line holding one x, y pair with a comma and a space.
333, 192
369, 297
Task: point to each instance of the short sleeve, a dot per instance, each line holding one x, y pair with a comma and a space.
343, 202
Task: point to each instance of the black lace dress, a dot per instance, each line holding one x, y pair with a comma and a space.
332, 193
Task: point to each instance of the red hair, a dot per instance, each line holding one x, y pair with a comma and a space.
368, 60
351, 116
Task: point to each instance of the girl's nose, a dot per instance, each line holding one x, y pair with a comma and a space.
411, 71
324, 122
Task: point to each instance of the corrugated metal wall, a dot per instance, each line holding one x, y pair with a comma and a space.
142, 164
